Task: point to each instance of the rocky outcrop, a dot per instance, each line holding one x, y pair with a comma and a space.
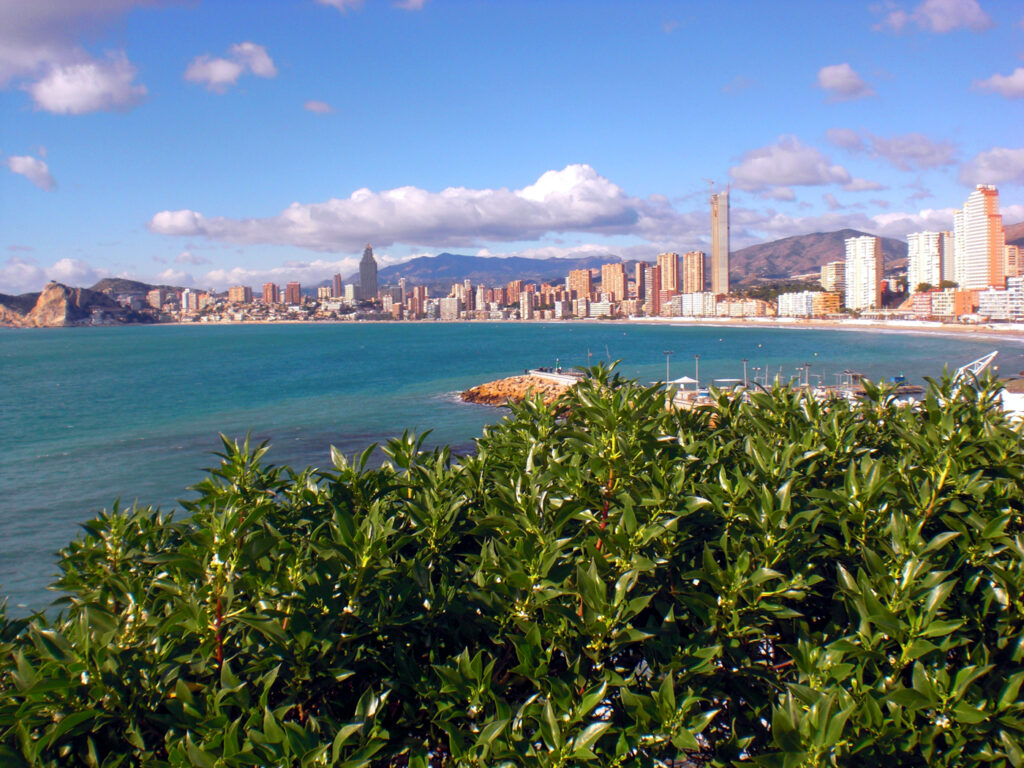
514, 390
55, 307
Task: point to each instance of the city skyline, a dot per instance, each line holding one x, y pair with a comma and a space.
215, 144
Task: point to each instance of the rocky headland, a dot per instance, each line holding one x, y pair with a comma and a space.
514, 390
58, 306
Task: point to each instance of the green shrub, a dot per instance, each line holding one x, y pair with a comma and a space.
605, 582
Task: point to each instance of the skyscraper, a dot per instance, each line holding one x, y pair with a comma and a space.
720, 242
693, 272
368, 275
925, 258
293, 293
581, 282
863, 272
271, 293
978, 240
669, 264
337, 286
613, 280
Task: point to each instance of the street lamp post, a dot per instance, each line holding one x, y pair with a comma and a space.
744, 373
696, 372
668, 356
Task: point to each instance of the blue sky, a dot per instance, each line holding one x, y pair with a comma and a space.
213, 143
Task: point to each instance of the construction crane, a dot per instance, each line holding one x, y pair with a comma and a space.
974, 368
711, 186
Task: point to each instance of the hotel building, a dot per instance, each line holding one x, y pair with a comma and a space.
863, 274
978, 240
693, 272
720, 242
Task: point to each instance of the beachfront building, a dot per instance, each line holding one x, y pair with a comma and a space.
613, 281
240, 294
1003, 304
978, 240
833, 276
368, 275
449, 308
863, 273
271, 293
826, 303
1012, 266
652, 297
799, 304
693, 272
699, 304
743, 308
293, 293
925, 259
580, 283
720, 243
668, 263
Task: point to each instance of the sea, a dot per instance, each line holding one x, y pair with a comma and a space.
93, 415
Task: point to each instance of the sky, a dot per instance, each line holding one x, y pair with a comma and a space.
212, 143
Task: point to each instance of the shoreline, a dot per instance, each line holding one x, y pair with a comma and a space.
1014, 332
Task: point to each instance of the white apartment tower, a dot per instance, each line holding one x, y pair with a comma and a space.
925, 259
863, 272
978, 240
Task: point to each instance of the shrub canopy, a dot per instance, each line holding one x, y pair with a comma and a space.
605, 582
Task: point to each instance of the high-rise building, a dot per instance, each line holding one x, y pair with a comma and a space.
368, 275
652, 295
337, 286
925, 255
240, 294
613, 280
978, 240
833, 276
693, 272
271, 293
293, 293
580, 281
1012, 265
669, 265
638, 280
720, 242
863, 272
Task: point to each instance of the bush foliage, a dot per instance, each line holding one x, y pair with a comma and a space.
606, 582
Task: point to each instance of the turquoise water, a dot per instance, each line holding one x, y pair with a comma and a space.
94, 414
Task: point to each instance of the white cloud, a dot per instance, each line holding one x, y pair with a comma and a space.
343, 5
843, 83
574, 199
831, 202
845, 138
905, 151
940, 16
219, 74
786, 163
23, 275
913, 150
319, 107
784, 194
187, 257
1011, 86
994, 166
861, 185
88, 86
410, 5
175, 277
33, 169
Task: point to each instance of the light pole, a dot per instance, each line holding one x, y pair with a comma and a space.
668, 356
696, 371
744, 373
807, 375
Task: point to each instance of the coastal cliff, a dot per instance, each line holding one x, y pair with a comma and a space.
514, 390
55, 307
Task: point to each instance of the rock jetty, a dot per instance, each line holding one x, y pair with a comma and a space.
514, 390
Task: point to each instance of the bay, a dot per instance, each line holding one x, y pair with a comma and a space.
90, 415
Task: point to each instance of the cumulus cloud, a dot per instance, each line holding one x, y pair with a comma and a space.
906, 151
788, 162
994, 166
343, 5
33, 169
574, 199
187, 257
845, 138
88, 86
940, 16
784, 194
1011, 86
843, 83
24, 275
319, 107
862, 185
221, 73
